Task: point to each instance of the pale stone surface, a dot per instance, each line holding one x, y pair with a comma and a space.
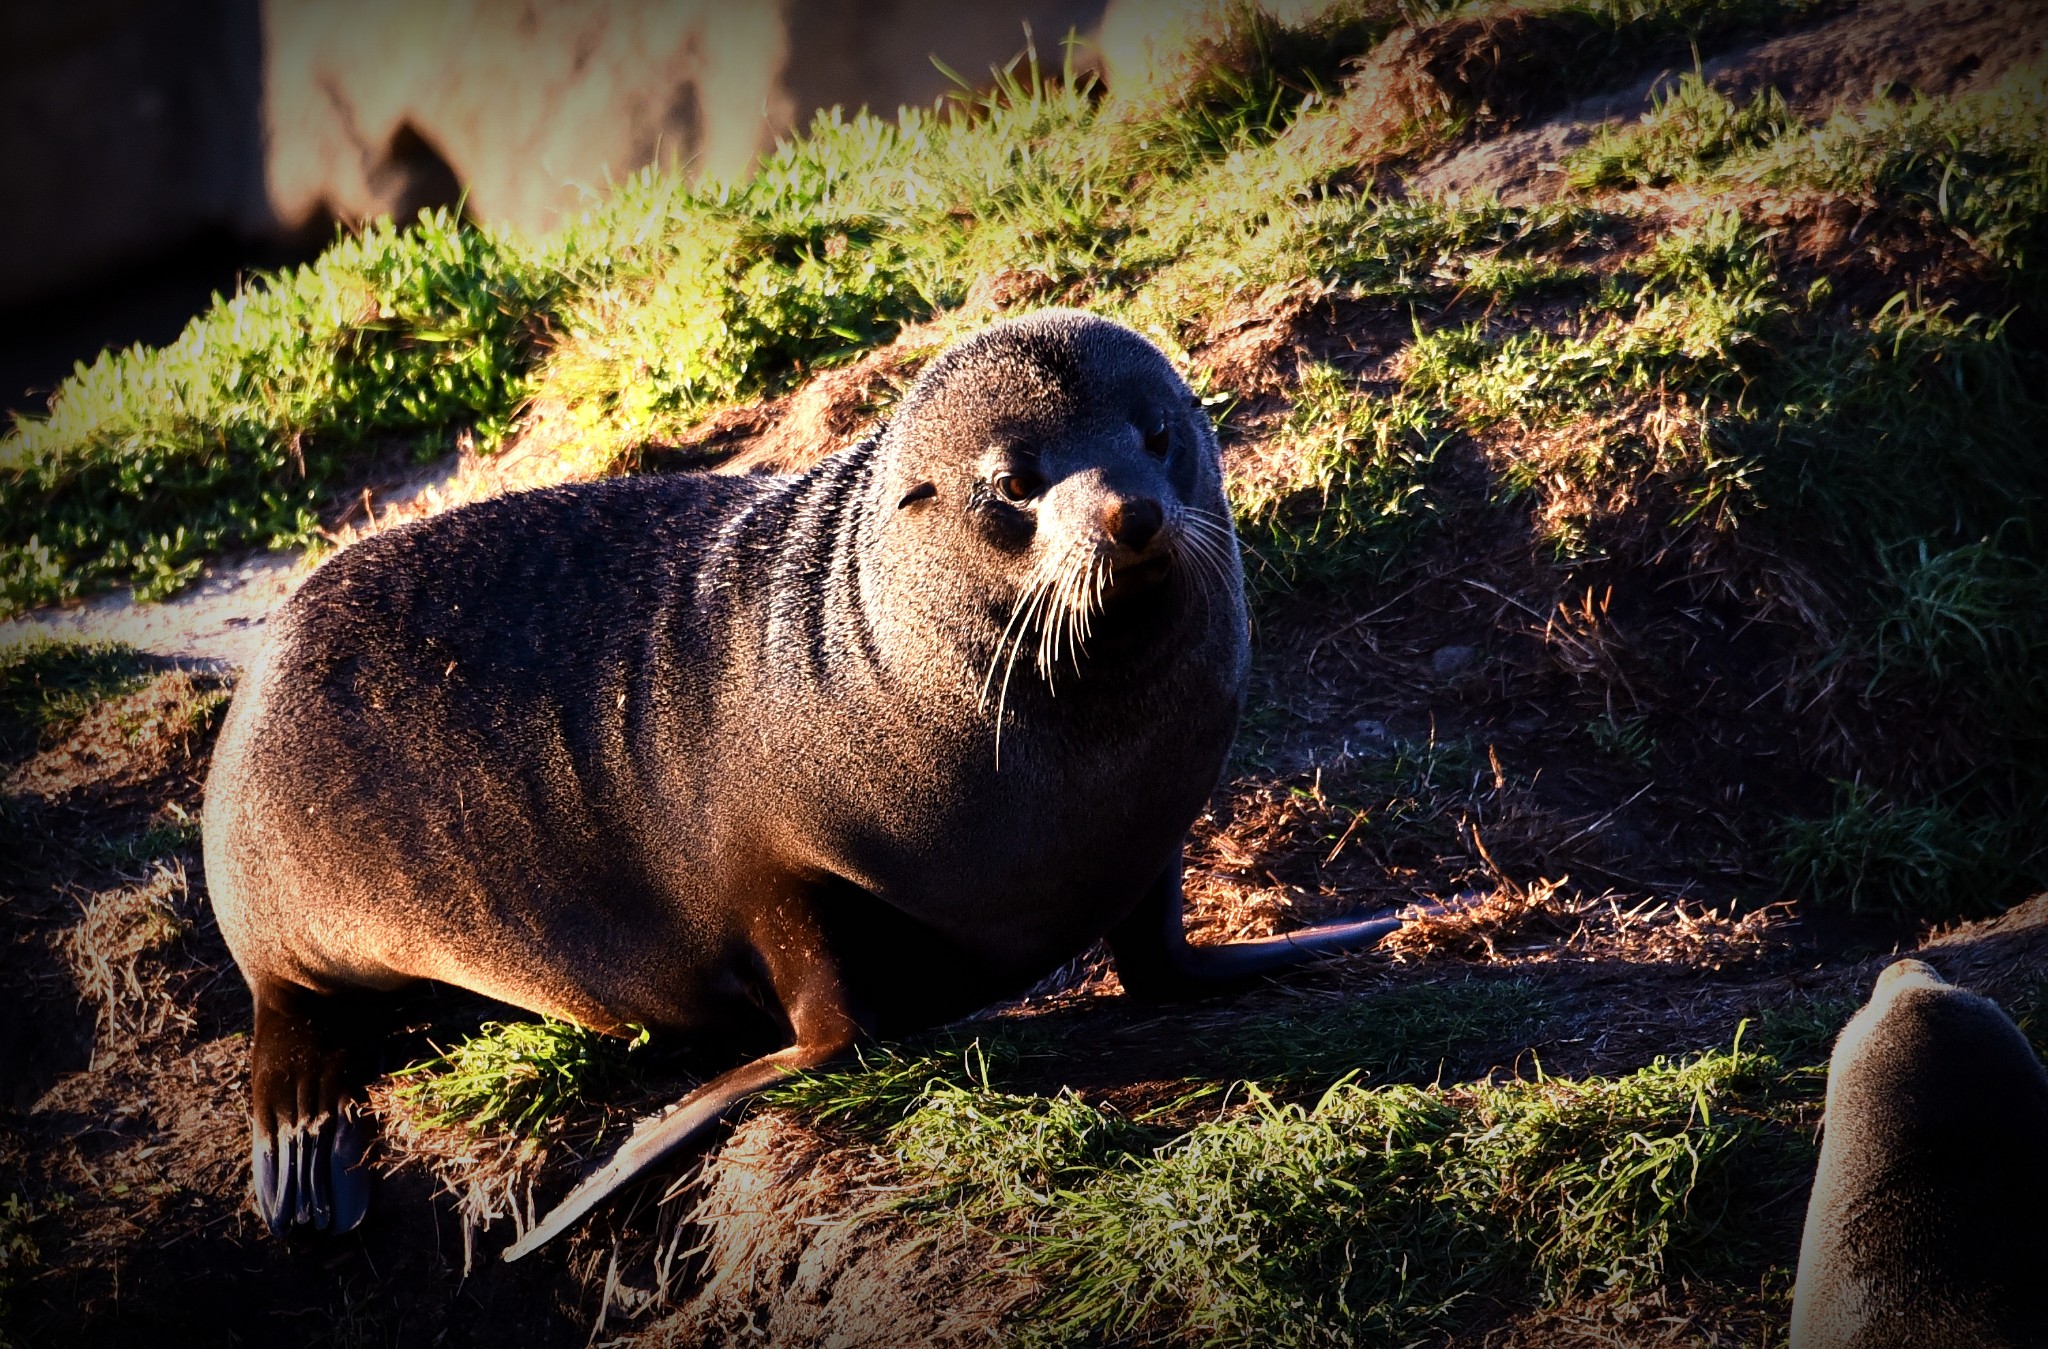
217, 623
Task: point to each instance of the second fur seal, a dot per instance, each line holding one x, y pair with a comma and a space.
771, 763
1928, 1224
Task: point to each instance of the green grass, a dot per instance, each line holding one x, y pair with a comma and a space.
233, 435
1800, 1030
1976, 165
1708, 402
1353, 490
1406, 1034
1933, 859
1628, 739
1978, 611
1349, 1196
1368, 1213
745, 306
2029, 1012
172, 832
47, 685
1690, 129
1248, 76
518, 1075
19, 1255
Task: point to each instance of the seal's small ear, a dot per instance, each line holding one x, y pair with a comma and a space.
924, 491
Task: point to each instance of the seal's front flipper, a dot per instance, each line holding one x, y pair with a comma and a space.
308, 1134
1156, 962
805, 982
660, 1135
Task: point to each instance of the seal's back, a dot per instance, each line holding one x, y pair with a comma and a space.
1928, 1223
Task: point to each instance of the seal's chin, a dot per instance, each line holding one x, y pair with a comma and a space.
1136, 588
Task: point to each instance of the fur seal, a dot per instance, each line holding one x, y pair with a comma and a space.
1928, 1223
775, 761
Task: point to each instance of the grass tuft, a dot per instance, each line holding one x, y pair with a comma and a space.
233, 436
46, 686
1690, 129
1341, 491
1379, 1212
1242, 79
517, 1075
1976, 164
1376, 1209
1930, 859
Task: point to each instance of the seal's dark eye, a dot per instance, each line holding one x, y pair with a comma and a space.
1020, 485
1157, 440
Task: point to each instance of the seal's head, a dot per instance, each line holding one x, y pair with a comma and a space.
1056, 474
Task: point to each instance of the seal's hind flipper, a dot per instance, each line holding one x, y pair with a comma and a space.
662, 1134
308, 1136
1156, 962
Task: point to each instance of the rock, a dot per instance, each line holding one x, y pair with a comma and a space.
1371, 734
1453, 660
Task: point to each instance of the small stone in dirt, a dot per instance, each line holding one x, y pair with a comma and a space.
1451, 660
1370, 733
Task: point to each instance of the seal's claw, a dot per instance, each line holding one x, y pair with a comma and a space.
310, 1172
347, 1173
308, 1135
269, 1179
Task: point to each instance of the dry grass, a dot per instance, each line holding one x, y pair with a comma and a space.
1662, 1318
1545, 922
121, 952
488, 1174
126, 741
805, 1244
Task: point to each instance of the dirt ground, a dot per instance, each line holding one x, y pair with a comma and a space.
123, 1140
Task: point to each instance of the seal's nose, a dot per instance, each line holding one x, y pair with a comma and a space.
1133, 523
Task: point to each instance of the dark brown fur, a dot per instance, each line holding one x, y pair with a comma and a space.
1928, 1225
782, 759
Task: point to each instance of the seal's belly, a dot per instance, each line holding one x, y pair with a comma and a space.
1024, 886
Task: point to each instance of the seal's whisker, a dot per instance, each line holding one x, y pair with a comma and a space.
1017, 608
1099, 575
1200, 567
1059, 627
1022, 615
1053, 577
1192, 543
1202, 543
1072, 590
1037, 591
1077, 609
1204, 528
1091, 581
1214, 537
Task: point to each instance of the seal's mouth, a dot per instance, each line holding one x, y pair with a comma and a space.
1143, 573
1099, 587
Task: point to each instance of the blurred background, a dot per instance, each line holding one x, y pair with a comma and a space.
156, 150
